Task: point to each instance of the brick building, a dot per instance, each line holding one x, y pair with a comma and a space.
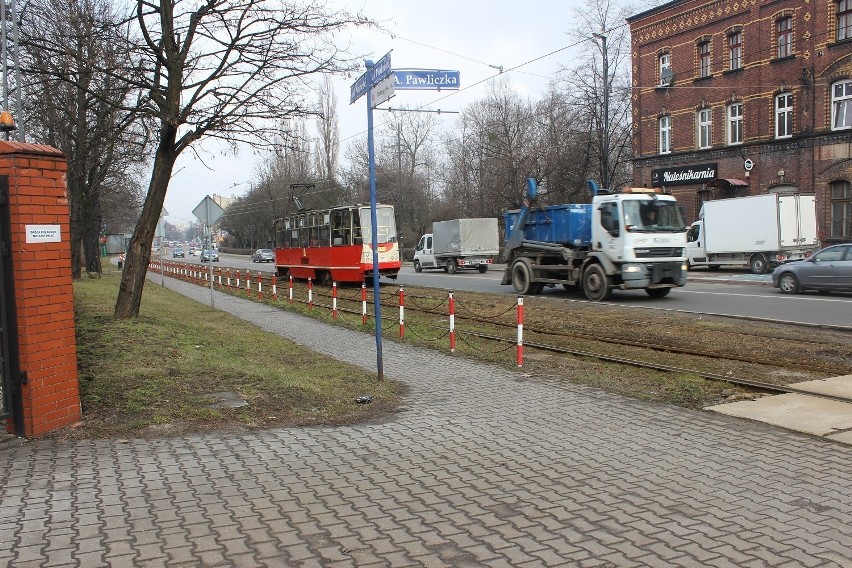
743, 97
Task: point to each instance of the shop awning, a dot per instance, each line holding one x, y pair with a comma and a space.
725, 183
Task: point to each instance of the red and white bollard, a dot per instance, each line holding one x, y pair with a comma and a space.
259, 287
238, 280
248, 284
228, 278
334, 300
274, 287
363, 304
291, 289
452, 324
310, 294
520, 331
401, 313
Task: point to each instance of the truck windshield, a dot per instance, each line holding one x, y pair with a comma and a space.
385, 223
653, 215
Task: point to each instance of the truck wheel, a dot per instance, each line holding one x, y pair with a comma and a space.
658, 292
788, 283
596, 284
417, 267
522, 277
483, 268
758, 263
452, 268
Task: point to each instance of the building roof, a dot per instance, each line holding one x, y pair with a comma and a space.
653, 11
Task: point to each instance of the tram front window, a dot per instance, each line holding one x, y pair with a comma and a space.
385, 223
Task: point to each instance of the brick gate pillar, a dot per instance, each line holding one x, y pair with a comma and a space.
40, 252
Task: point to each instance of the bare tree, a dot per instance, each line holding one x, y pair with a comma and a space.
329, 132
588, 86
227, 69
74, 105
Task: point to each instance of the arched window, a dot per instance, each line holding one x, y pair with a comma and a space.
665, 69
705, 128
704, 68
735, 50
841, 105
784, 36
735, 123
784, 115
844, 20
841, 209
665, 134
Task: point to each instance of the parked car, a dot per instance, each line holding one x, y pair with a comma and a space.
263, 255
209, 255
828, 269
178, 252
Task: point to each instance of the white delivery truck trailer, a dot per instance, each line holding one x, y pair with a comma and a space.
757, 231
457, 244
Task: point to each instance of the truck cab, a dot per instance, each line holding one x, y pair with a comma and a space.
424, 255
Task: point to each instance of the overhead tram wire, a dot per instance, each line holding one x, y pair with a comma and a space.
457, 91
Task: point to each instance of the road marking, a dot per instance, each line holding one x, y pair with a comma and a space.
774, 296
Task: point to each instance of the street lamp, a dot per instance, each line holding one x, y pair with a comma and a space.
602, 36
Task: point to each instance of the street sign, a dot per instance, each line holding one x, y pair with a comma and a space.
426, 79
380, 70
208, 211
748, 164
384, 90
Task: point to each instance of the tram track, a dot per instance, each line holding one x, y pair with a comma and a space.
758, 385
775, 364
647, 345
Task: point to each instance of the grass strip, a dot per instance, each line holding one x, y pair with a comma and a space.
160, 373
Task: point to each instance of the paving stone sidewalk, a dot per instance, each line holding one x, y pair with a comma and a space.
483, 467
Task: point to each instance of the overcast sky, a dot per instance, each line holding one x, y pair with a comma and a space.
464, 35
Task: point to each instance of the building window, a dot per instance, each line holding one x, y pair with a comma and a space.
785, 37
841, 209
784, 115
704, 59
735, 123
665, 134
841, 105
844, 20
665, 69
704, 128
735, 49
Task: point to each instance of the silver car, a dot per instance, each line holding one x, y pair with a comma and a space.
263, 255
828, 269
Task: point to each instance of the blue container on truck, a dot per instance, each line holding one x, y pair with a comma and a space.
560, 224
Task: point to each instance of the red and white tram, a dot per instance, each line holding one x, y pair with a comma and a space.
336, 244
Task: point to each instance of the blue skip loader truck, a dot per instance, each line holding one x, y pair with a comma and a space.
632, 240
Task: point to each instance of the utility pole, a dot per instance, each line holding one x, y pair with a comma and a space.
605, 178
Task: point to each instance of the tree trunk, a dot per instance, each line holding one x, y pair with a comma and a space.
139, 252
76, 237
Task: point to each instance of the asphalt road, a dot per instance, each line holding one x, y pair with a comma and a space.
727, 292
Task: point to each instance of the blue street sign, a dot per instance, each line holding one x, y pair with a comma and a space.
426, 79
380, 70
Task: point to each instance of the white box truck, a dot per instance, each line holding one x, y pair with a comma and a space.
757, 231
457, 244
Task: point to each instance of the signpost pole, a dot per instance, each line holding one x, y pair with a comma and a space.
208, 212
377, 303
208, 237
